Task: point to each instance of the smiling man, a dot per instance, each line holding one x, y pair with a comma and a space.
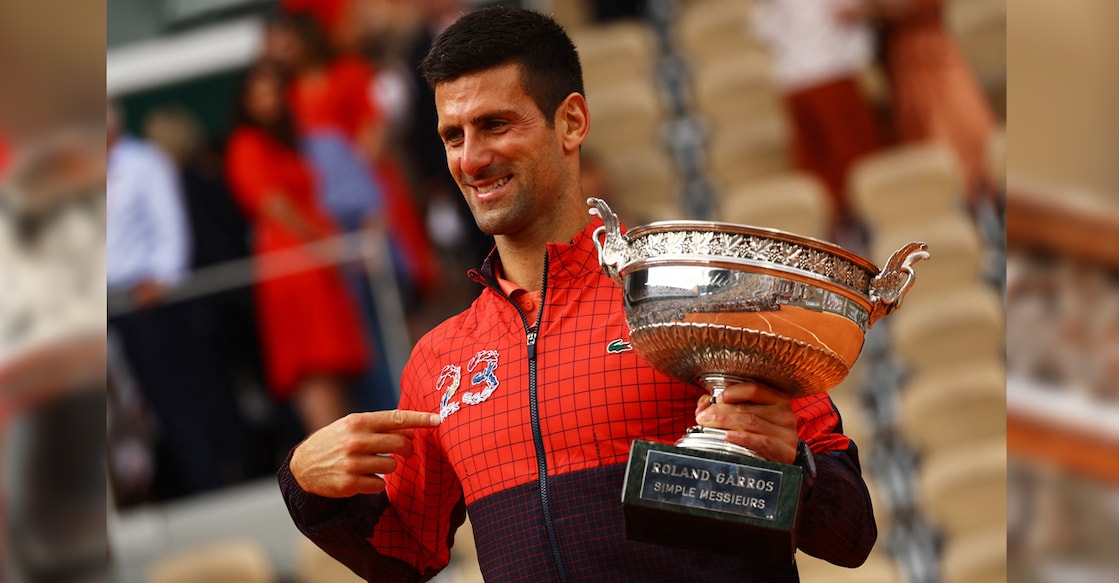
521, 410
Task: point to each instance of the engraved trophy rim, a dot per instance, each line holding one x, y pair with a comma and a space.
744, 229
748, 249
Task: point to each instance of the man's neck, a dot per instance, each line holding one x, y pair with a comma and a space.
522, 258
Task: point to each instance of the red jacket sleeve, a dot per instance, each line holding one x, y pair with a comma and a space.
403, 534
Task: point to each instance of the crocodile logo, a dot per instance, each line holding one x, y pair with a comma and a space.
619, 345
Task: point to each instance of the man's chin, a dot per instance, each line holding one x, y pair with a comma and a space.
493, 224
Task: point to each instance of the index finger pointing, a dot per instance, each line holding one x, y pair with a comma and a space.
405, 419
394, 420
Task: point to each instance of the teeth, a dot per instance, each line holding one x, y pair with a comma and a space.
493, 186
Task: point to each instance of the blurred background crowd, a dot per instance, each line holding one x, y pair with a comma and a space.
279, 227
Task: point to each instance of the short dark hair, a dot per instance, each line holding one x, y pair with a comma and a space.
500, 35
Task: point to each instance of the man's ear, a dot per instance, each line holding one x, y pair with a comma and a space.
573, 120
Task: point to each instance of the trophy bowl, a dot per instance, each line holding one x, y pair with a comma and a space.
714, 304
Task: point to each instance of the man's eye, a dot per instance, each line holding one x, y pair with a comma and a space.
496, 125
452, 139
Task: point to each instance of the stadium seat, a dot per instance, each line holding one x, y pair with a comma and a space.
962, 325
905, 184
793, 202
962, 490
571, 14
626, 115
707, 29
659, 211
740, 153
228, 561
643, 176
878, 568
735, 89
978, 557
615, 51
313, 565
954, 406
979, 27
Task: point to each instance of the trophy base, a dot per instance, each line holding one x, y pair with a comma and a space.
711, 501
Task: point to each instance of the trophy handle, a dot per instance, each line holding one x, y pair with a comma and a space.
608, 240
889, 287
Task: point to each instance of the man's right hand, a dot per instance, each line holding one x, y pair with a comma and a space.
344, 458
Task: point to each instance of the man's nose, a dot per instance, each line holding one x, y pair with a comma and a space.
476, 155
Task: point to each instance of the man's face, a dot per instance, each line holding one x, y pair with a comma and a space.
501, 150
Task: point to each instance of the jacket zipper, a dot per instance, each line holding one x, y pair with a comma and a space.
537, 434
532, 335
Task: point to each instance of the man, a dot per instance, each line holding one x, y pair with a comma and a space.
515, 409
147, 253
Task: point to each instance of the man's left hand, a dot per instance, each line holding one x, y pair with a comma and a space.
755, 416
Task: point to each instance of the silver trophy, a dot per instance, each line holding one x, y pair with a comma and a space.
716, 304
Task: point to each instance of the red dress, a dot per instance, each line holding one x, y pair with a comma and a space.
308, 320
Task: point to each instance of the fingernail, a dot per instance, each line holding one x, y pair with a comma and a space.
704, 417
435, 419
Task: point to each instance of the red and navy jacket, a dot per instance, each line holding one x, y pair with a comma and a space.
537, 426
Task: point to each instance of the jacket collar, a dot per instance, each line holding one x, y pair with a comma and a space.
570, 259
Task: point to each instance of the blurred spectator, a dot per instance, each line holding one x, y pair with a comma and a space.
817, 59
335, 96
334, 118
343, 137
934, 96
52, 297
147, 252
52, 348
448, 218
223, 324
210, 207
338, 91
311, 338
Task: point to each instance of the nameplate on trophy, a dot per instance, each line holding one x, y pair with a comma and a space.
710, 484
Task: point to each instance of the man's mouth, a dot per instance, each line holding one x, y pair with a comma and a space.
485, 188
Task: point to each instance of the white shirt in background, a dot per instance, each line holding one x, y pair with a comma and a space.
148, 236
808, 43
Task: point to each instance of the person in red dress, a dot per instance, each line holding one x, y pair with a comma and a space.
310, 329
934, 95
333, 102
